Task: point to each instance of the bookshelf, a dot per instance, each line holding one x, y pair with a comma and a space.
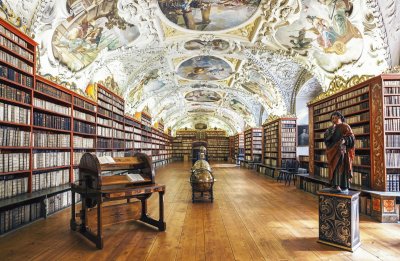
239, 147
182, 143
279, 141
253, 145
217, 145
232, 148
45, 129
304, 161
371, 107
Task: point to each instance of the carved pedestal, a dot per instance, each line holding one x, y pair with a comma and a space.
339, 219
384, 207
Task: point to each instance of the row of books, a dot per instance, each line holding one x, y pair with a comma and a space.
103, 131
12, 93
84, 116
16, 62
53, 92
392, 83
311, 187
81, 142
117, 125
362, 142
49, 139
289, 155
13, 113
288, 148
13, 36
356, 108
77, 157
51, 121
363, 129
14, 137
392, 124
84, 104
104, 105
10, 162
393, 182
11, 186
392, 111
104, 143
49, 158
16, 76
51, 106
352, 101
357, 118
14, 218
395, 100
44, 180
84, 127
104, 112
353, 93
393, 158
102, 121
393, 140
59, 201
119, 134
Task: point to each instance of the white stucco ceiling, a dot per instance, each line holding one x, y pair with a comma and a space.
230, 68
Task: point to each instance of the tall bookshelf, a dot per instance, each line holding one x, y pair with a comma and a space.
253, 144
232, 148
217, 145
280, 141
182, 143
372, 109
239, 147
84, 130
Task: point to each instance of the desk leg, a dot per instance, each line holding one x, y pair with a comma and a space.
162, 225
72, 223
99, 241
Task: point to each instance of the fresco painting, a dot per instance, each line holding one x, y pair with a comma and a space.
208, 15
215, 45
202, 96
205, 68
91, 28
325, 31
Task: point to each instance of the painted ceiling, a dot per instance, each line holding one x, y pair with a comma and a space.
225, 64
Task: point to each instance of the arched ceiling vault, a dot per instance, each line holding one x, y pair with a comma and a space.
230, 63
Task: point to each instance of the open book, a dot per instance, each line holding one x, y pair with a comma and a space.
106, 160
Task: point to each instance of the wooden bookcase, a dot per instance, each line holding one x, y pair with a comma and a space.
45, 129
372, 109
239, 147
232, 148
253, 145
217, 145
182, 143
280, 140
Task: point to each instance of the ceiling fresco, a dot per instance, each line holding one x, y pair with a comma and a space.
205, 68
225, 64
208, 15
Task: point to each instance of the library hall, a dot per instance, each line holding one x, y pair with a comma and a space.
199, 130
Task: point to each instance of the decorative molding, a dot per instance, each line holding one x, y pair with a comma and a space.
395, 69
339, 84
379, 182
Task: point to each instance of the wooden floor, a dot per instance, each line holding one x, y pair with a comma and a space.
252, 218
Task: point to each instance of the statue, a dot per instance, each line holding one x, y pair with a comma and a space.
339, 140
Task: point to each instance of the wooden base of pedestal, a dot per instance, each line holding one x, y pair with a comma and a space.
351, 249
339, 219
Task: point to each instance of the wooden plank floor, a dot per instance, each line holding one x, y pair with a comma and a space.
252, 218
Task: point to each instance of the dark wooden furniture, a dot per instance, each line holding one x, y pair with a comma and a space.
280, 140
126, 179
371, 107
339, 219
